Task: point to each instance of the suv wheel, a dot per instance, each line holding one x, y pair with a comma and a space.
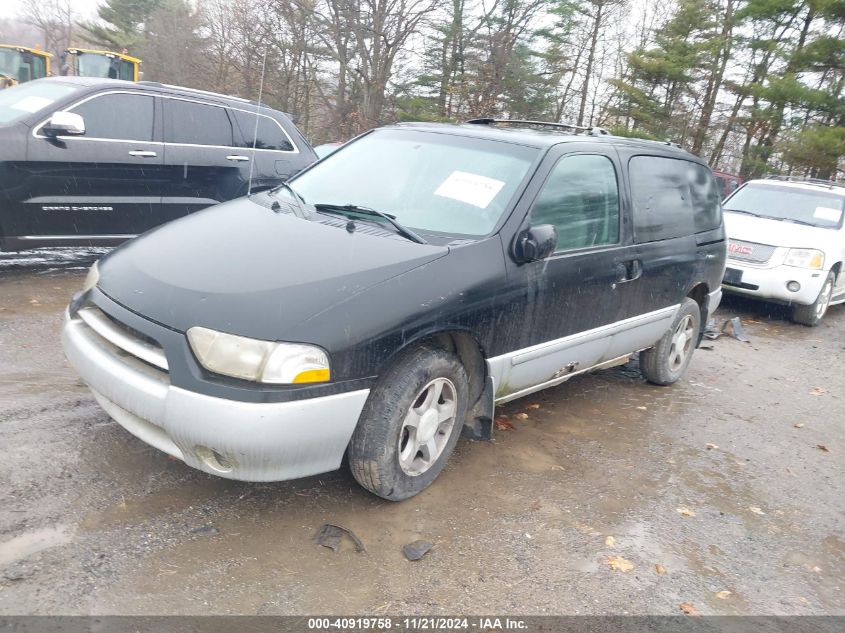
667, 361
410, 424
812, 314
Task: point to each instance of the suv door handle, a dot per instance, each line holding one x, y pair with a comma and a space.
237, 158
142, 153
628, 271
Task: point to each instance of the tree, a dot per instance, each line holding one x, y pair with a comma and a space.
121, 24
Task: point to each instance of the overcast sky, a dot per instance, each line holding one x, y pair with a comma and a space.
85, 8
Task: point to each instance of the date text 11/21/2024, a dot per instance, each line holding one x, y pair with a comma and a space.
423, 623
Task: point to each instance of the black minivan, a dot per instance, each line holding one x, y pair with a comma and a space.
390, 295
88, 161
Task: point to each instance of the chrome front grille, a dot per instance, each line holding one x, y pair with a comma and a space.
124, 337
750, 251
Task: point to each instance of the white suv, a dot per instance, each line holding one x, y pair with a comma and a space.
787, 244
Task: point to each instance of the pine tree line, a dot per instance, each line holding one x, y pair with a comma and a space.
754, 86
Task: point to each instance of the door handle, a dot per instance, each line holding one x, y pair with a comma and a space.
237, 158
142, 153
628, 271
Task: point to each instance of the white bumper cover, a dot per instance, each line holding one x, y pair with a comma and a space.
771, 282
252, 441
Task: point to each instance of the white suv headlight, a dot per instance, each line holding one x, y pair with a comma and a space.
259, 361
91, 278
805, 258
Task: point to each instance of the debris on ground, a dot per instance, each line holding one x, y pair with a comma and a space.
711, 447
723, 595
619, 564
502, 424
711, 331
329, 536
205, 530
610, 541
756, 510
823, 448
521, 416
685, 512
732, 327
416, 550
533, 405
818, 391
688, 608
660, 569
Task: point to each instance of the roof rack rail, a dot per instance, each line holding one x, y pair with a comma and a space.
207, 93
814, 181
592, 131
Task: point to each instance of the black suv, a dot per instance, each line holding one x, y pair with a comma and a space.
86, 161
392, 293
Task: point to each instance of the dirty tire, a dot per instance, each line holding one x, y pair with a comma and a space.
375, 449
813, 314
662, 364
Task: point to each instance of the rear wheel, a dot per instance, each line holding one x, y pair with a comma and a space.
667, 361
813, 314
410, 424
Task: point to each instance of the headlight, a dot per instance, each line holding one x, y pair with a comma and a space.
259, 361
91, 278
805, 258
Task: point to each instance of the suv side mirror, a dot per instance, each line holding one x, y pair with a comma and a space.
535, 243
64, 123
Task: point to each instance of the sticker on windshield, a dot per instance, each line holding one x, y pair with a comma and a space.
827, 213
473, 189
31, 104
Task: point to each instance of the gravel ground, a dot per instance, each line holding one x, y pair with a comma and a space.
723, 492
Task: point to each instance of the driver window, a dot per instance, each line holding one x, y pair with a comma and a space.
581, 199
106, 116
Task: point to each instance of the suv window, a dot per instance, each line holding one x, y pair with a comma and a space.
107, 116
269, 136
196, 123
581, 199
672, 198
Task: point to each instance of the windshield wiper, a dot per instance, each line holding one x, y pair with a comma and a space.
744, 212
298, 200
345, 209
796, 221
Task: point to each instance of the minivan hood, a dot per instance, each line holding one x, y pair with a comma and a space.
241, 268
776, 232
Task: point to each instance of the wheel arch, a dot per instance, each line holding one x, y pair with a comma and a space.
700, 293
469, 350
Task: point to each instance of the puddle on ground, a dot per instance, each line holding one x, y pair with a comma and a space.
33, 542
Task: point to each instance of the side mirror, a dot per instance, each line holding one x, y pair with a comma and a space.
535, 243
64, 124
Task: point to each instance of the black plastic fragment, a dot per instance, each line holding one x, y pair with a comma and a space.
416, 550
329, 536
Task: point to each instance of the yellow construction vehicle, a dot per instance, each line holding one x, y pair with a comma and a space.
21, 63
83, 62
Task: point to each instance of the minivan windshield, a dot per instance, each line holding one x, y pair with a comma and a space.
427, 181
24, 99
789, 204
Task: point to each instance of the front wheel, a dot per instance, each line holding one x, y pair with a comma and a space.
667, 361
813, 314
410, 424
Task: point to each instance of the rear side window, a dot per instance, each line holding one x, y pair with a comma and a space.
269, 135
672, 198
196, 123
581, 199
119, 116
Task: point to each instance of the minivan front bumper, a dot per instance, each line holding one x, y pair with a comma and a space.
246, 441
